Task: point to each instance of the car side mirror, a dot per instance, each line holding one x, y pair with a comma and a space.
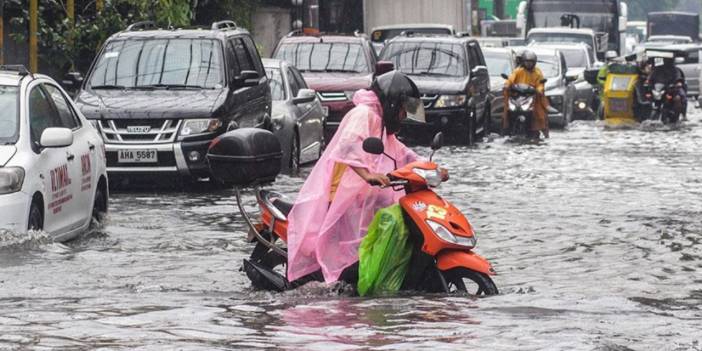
56, 137
373, 145
383, 67
247, 79
570, 78
72, 80
304, 96
438, 141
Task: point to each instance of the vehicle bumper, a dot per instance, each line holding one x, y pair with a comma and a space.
557, 118
184, 158
15, 211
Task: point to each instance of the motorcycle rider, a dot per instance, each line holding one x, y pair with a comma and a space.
666, 74
337, 202
529, 74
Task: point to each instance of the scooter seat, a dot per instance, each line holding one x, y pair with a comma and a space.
284, 206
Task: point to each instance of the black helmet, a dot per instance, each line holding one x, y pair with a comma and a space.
396, 91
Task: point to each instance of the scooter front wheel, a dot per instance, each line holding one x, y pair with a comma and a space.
462, 279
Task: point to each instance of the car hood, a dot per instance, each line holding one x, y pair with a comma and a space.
338, 81
440, 85
6, 153
497, 83
141, 104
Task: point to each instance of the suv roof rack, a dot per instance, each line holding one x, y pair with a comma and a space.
295, 32
463, 34
20, 69
143, 25
224, 25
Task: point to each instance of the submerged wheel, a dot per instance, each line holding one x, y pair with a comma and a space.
470, 128
466, 280
99, 205
36, 218
295, 153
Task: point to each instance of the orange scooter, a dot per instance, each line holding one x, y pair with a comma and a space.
442, 260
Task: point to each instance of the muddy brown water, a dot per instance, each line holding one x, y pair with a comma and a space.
596, 236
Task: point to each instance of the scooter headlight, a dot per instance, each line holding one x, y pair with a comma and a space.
526, 103
446, 235
657, 94
432, 176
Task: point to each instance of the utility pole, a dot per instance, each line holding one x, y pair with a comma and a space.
33, 32
2, 32
313, 16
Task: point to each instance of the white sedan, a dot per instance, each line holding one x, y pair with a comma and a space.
52, 161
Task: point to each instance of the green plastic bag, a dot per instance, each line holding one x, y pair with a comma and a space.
384, 253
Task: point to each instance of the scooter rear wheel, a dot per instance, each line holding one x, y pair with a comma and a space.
469, 281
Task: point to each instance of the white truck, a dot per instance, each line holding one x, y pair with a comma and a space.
389, 12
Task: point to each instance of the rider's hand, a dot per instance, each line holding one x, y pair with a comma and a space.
444, 174
378, 179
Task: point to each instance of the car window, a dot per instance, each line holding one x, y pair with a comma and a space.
325, 57
548, 68
427, 58
253, 54
275, 81
41, 113
148, 62
241, 54
66, 114
9, 116
473, 56
575, 59
298, 77
294, 85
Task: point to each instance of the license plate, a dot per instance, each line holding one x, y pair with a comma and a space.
618, 105
137, 156
325, 111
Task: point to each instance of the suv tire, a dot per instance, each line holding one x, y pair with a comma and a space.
36, 217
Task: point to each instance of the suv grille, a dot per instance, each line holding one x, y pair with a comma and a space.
139, 131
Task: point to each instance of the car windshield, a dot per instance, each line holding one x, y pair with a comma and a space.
559, 38
387, 34
427, 58
275, 80
9, 117
150, 63
325, 57
498, 64
575, 58
548, 68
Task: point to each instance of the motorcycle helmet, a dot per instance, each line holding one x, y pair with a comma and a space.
398, 94
528, 56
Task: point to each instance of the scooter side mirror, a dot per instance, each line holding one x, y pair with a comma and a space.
543, 81
373, 146
438, 141
504, 76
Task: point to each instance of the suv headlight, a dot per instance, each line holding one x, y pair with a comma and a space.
432, 176
446, 101
200, 126
446, 235
11, 179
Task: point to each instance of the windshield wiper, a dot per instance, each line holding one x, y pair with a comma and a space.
170, 86
108, 87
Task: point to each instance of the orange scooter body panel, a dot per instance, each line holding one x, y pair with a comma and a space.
426, 205
281, 227
461, 258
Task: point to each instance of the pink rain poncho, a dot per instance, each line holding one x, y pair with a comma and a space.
324, 234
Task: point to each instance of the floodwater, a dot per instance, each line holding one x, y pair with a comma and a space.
596, 236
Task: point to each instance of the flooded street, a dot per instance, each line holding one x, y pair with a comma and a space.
596, 236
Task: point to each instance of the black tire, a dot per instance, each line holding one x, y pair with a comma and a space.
480, 284
487, 121
99, 205
295, 154
470, 128
36, 217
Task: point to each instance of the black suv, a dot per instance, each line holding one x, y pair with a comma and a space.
452, 77
159, 97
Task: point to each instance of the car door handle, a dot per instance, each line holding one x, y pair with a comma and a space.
70, 157
91, 146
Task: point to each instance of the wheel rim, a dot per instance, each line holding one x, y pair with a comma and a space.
462, 280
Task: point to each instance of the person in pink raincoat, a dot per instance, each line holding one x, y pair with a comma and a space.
337, 203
